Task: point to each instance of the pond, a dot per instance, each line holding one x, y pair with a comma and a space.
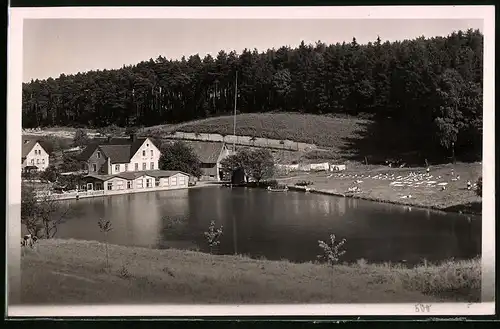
285, 225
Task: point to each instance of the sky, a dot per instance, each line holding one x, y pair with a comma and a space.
55, 46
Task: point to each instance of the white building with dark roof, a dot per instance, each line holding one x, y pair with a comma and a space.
34, 156
117, 155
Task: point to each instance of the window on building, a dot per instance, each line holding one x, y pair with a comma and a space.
98, 154
37, 161
173, 181
147, 145
152, 165
157, 182
143, 153
32, 161
117, 168
139, 183
110, 186
126, 167
182, 180
136, 167
94, 167
152, 153
148, 182
119, 185
129, 184
144, 166
43, 161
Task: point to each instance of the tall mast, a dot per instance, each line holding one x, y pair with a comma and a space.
234, 122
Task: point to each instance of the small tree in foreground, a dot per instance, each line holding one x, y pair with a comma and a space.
41, 214
331, 252
105, 227
213, 235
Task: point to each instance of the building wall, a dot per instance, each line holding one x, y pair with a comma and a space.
142, 182
141, 158
98, 159
115, 184
224, 154
117, 168
175, 181
41, 161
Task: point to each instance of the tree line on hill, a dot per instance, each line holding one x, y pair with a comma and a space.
430, 86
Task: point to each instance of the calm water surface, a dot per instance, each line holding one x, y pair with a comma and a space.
276, 225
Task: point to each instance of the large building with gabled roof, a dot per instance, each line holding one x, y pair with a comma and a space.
210, 155
118, 155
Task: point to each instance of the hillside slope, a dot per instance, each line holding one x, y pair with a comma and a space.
324, 131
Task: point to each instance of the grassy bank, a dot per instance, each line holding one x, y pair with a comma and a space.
71, 271
455, 197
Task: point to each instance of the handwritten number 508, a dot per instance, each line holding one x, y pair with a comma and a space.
421, 308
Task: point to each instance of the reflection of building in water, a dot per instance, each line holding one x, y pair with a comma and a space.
325, 205
145, 221
341, 204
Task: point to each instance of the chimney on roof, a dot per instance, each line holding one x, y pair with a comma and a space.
133, 137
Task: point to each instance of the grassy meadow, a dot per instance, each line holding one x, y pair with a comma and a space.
455, 197
72, 271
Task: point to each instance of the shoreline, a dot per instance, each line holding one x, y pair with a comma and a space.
100, 193
75, 271
367, 198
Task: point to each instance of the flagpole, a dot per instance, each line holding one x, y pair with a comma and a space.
234, 118
234, 122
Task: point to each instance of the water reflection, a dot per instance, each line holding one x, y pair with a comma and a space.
276, 225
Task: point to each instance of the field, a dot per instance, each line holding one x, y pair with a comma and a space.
71, 271
455, 197
324, 131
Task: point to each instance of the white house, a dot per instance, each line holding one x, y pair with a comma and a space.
34, 156
119, 155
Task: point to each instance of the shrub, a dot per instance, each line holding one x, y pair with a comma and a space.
123, 272
105, 227
479, 188
304, 183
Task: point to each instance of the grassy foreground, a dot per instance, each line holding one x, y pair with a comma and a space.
72, 271
455, 197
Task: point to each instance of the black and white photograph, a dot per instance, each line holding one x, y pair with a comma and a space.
223, 160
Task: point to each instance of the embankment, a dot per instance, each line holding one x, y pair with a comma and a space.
72, 271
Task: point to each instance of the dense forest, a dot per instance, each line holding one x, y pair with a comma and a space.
430, 86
